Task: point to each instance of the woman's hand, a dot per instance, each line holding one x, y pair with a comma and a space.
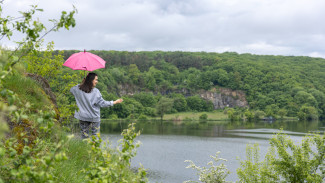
118, 101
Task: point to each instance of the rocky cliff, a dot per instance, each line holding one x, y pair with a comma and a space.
225, 97
221, 97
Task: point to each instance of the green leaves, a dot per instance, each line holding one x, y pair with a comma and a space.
164, 105
113, 166
66, 20
32, 28
286, 161
212, 174
33, 164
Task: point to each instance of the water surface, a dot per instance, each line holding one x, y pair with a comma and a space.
166, 145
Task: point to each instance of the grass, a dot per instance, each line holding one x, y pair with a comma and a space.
78, 158
28, 91
214, 115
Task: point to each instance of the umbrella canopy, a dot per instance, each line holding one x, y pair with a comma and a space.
85, 61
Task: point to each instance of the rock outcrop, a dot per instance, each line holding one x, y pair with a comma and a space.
220, 97
225, 97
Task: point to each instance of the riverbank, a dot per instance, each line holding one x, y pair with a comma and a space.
216, 115
194, 116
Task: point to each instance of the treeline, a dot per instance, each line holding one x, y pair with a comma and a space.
290, 85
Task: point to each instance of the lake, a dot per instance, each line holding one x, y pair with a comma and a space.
166, 145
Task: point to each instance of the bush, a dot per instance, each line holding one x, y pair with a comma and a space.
142, 117
113, 117
286, 161
146, 99
148, 111
203, 116
180, 103
308, 113
114, 166
259, 115
196, 103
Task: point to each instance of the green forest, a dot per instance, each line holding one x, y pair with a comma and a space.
276, 85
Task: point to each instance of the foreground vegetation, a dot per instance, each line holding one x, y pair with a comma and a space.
35, 146
284, 162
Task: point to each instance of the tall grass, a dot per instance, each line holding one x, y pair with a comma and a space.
78, 155
28, 91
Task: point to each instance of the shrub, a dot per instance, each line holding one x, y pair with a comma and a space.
114, 166
203, 116
142, 117
113, 116
286, 161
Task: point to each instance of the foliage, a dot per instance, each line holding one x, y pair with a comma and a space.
249, 115
282, 113
44, 63
142, 117
286, 161
180, 103
109, 166
32, 164
308, 113
212, 174
259, 114
164, 105
233, 114
203, 116
146, 99
37, 145
196, 103
253, 170
271, 83
32, 28
27, 90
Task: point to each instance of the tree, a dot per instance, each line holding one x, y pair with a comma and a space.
271, 110
33, 30
134, 73
249, 115
308, 113
164, 105
259, 115
282, 112
150, 82
180, 103
197, 103
146, 99
303, 97
44, 63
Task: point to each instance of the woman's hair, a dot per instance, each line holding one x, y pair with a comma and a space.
87, 84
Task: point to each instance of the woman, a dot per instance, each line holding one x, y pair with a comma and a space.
89, 101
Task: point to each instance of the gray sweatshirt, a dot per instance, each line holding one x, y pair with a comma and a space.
89, 104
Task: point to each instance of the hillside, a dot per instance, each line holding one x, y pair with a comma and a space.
288, 85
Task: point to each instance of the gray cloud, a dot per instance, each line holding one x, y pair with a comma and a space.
279, 27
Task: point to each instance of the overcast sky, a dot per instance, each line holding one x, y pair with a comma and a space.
272, 27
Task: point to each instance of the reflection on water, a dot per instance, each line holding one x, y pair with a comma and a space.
165, 146
210, 129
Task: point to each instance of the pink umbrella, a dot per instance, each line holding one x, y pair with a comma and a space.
85, 61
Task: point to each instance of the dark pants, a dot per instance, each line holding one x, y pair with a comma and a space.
86, 125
